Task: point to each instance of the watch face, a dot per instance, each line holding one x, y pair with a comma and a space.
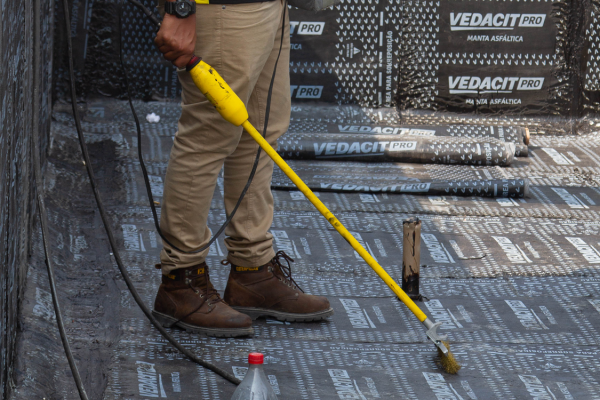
183, 8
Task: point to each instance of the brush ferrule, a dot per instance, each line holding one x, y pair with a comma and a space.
432, 334
428, 323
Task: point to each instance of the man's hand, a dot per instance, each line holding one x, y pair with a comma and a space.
176, 39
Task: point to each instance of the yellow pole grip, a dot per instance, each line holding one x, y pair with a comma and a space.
334, 221
218, 92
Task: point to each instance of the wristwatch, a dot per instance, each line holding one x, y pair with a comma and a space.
180, 8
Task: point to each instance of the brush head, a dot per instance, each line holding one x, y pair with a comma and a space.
448, 362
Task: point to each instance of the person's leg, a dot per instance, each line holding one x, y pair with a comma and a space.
259, 285
248, 240
236, 40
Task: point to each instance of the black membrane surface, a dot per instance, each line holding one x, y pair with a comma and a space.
514, 280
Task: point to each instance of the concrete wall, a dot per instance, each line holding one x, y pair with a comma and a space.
16, 172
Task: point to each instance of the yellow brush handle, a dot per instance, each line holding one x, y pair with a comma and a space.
334, 221
229, 105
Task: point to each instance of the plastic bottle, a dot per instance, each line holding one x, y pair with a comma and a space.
255, 385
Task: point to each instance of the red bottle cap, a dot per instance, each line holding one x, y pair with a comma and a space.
255, 358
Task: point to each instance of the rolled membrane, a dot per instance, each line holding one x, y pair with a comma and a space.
514, 134
514, 188
394, 148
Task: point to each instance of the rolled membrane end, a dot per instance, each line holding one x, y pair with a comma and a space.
510, 150
526, 137
526, 187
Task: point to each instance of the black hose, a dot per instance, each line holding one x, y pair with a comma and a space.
51, 279
37, 176
103, 215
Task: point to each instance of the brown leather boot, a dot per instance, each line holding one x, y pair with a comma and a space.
187, 299
270, 291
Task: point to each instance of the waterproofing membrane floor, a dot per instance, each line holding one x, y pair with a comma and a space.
515, 281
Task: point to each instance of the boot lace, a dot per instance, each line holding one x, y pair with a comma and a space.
208, 293
281, 271
284, 270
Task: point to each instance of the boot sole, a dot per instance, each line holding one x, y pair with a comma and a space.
168, 322
255, 313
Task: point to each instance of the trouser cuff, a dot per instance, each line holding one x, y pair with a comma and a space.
253, 261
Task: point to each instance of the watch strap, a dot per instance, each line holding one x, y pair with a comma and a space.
170, 7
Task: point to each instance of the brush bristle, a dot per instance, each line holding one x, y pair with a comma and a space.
449, 363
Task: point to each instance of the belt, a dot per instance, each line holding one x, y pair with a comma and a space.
229, 1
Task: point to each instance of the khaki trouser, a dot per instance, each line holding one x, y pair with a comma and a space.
241, 41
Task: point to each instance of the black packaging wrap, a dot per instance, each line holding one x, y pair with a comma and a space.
523, 58
488, 57
410, 149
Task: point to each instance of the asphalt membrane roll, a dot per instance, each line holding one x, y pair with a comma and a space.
409, 149
514, 188
512, 134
